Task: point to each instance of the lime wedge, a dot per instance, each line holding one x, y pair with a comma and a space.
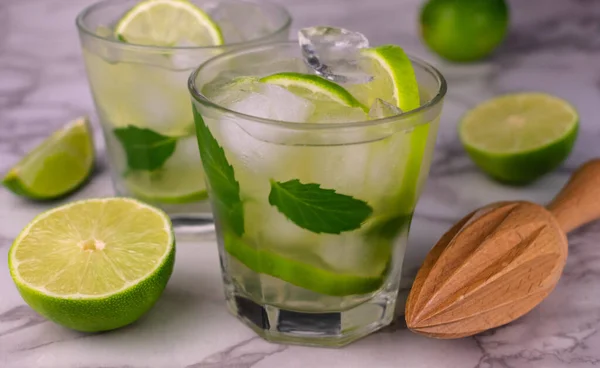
58, 166
168, 23
305, 275
171, 184
94, 265
313, 87
518, 137
393, 78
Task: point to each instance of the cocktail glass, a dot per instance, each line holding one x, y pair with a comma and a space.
314, 284
143, 104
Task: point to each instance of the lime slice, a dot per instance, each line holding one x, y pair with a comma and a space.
168, 23
171, 184
393, 78
518, 137
314, 87
56, 167
305, 275
94, 265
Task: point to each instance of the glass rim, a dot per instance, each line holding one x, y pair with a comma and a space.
80, 23
434, 101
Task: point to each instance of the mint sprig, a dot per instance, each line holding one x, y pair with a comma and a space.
318, 209
221, 178
145, 149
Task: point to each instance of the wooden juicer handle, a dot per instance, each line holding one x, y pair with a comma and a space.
579, 201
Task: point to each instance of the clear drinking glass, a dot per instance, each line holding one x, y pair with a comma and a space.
287, 283
143, 104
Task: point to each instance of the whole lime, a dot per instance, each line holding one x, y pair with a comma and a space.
464, 30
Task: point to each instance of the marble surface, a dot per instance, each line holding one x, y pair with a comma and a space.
554, 46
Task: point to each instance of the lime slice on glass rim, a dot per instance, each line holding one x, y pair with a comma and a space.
168, 23
57, 167
516, 138
96, 264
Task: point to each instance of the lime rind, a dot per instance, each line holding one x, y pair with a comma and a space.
58, 166
323, 88
124, 26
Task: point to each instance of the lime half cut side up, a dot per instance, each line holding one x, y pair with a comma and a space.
517, 138
94, 265
58, 166
168, 23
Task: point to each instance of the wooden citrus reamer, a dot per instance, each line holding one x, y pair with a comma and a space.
500, 261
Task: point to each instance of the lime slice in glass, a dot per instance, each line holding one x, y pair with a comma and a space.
58, 166
314, 275
518, 137
180, 180
332, 102
394, 81
94, 265
168, 23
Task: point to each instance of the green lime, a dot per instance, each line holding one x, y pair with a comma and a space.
464, 30
306, 275
170, 184
393, 78
517, 138
313, 87
58, 166
168, 23
94, 265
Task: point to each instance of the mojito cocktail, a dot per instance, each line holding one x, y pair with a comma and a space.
139, 56
315, 155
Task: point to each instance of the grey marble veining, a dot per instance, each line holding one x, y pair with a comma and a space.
553, 46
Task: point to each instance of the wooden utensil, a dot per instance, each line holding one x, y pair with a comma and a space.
500, 261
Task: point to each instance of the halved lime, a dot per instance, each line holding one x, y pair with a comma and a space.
518, 137
56, 167
94, 265
317, 278
168, 23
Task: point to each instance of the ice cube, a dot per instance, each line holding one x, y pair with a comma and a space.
258, 146
270, 101
382, 109
241, 21
333, 53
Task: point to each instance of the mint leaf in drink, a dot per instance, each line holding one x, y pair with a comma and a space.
145, 149
221, 178
318, 209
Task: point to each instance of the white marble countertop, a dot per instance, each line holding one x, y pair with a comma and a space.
553, 47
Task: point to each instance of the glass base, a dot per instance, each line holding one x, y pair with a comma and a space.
330, 329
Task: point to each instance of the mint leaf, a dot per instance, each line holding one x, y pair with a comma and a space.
145, 149
317, 209
221, 178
